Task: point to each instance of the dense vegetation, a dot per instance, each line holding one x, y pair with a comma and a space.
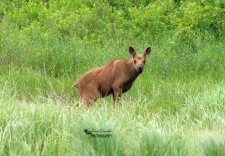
176, 107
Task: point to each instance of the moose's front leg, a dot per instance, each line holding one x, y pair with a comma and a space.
117, 91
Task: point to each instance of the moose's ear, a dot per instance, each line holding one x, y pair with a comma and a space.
147, 51
132, 51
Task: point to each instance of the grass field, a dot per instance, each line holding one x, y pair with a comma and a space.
176, 107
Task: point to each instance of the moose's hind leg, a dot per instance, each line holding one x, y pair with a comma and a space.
89, 96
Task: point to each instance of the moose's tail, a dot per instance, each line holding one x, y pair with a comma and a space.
75, 85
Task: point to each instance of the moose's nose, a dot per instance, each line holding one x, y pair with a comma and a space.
139, 68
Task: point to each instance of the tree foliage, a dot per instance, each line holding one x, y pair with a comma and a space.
101, 20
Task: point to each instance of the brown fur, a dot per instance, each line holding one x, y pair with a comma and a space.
114, 78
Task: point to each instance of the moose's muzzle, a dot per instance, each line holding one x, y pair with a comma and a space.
139, 68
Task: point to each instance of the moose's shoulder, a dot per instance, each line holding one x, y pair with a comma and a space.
119, 61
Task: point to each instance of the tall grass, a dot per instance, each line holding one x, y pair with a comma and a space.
175, 107
47, 127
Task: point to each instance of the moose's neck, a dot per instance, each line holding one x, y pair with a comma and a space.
133, 72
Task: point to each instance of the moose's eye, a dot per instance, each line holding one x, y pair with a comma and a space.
134, 61
144, 61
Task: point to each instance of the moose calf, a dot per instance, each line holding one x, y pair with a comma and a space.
114, 78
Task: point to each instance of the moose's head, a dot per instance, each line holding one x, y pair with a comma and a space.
139, 59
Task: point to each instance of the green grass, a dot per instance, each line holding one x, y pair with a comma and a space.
176, 107
177, 113
140, 126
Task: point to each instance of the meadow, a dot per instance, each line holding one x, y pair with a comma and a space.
175, 107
